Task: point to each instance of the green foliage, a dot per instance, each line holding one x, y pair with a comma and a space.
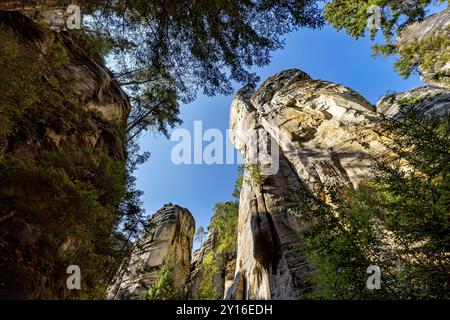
224, 223
431, 53
349, 15
58, 210
406, 103
100, 171
254, 172
352, 15
31, 88
61, 202
210, 269
426, 56
163, 288
21, 90
336, 244
398, 221
57, 52
238, 185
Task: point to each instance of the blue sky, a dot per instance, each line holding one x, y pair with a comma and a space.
324, 54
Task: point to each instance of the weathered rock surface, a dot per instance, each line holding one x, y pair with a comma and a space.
430, 26
426, 100
83, 81
325, 134
79, 106
170, 236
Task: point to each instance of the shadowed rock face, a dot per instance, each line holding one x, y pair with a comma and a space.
81, 106
84, 81
325, 134
169, 236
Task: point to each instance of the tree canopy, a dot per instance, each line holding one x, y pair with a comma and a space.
352, 15
164, 52
428, 55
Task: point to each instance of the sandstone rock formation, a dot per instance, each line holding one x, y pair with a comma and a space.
170, 236
80, 79
324, 134
432, 24
428, 99
76, 108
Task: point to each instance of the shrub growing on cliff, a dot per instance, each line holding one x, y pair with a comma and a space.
225, 222
428, 55
224, 225
254, 173
398, 221
210, 270
163, 288
200, 235
62, 201
353, 15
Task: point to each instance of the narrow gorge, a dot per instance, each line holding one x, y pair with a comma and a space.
74, 104
325, 134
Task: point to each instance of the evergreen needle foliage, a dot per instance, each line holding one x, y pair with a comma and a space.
163, 288
399, 220
427, 55
164, 52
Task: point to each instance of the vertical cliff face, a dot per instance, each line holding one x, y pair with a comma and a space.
62, 157
429, 99
213, 264
322, 134
168, 239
